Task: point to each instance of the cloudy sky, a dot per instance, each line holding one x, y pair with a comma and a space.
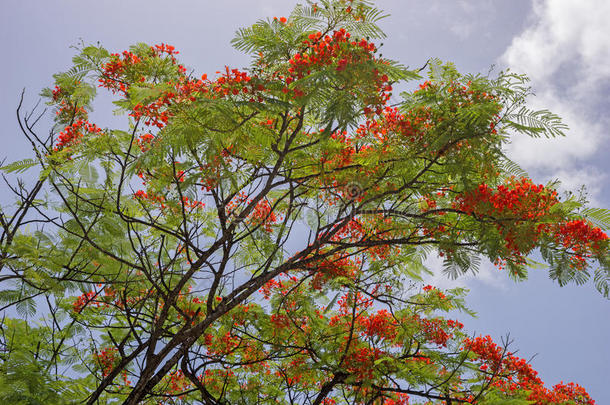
563, 45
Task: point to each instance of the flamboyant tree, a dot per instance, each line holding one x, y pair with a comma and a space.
258, 235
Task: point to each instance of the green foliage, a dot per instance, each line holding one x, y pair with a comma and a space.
19, 166
536, 123
262, 236
24, 374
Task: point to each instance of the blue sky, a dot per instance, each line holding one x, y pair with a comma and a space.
564, 45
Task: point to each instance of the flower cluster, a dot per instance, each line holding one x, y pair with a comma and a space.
519, 210
352, 231
515, 208
212, 170
380, 324
83, 300
360, 362
156, 113
345, 154
114, 72
192, 308
151, 197
410, 126
71, 134
340, 51
222, 344
510, 373
128, 68
461, 93
263, 216
145, 142
329, 50
330, 268
191, 204
437, 331
162, 48
107, 359
67, 110
232, 81
174, 384
399, 398
579, 237
279, 285
433, 290
519, 199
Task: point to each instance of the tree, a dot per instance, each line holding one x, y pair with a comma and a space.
260, 236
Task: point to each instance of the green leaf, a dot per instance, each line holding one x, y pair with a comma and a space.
19, 166
88, 173
535, 123
601, 279
599, 216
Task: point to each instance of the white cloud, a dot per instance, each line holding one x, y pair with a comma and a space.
583, 139
462, 29
564, 31
463, 18
566, 53
572, 180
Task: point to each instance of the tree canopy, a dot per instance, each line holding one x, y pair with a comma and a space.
260, 235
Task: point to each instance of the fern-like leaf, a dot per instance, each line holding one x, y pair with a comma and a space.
19, 166
598, 216
535, 123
